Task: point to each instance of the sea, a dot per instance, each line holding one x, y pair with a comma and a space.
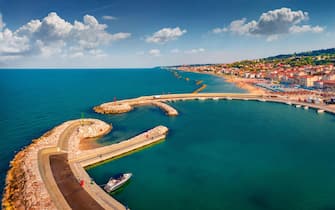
236, 155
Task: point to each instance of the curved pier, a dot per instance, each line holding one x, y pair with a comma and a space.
158, 100
46, 174
128, 105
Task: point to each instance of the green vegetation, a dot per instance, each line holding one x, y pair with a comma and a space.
316, 57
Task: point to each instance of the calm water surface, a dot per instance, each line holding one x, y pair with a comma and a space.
218, 154
228, 155
34, 101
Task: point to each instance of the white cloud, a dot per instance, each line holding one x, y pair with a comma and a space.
194, 51
2, 24
10, 44
219, 30
155, 52
166, 34
54, 35
108, 17
306, 28
272, 24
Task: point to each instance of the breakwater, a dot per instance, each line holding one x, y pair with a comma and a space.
36, 177
108, 108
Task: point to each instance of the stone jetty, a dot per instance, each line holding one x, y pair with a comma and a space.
160, 101
128, 105
36, 177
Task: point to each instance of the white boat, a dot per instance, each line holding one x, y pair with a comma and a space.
116, 182
306, 107
298, 105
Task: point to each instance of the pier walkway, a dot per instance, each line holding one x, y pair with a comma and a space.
62, 167
108, 108
158, 100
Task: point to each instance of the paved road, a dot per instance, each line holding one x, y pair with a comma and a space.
60, 180
76, 196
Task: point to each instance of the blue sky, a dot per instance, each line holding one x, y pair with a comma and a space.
121, 33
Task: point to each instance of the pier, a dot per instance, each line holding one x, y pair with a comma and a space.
107, 108
124, 106
56, 168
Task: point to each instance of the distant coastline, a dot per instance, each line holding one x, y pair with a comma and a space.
238, 82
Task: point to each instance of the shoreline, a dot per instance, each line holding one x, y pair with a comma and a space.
238, 82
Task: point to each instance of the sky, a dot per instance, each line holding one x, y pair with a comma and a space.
148, 33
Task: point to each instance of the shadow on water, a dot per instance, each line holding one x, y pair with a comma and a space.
121, 189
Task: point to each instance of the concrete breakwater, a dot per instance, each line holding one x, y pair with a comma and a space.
152, 100
25, 187
36, 177
128, 105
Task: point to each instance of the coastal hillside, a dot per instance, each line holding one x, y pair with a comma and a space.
322, 52
314, 57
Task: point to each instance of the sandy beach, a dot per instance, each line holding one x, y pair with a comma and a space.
245, 84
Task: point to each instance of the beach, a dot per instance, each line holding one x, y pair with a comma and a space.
245, 84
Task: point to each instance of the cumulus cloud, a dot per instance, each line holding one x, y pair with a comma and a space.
155, 52
194, 51
54, 35
108, 17
306, 28
219, 30
166, 34
272, 24
12, 45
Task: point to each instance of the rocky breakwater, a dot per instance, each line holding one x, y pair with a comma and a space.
128, 105
92, 131
113, 108
25, 188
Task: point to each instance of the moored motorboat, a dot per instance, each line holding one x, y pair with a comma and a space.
116, 182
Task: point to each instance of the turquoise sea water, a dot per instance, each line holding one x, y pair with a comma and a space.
235, 155
34, 101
